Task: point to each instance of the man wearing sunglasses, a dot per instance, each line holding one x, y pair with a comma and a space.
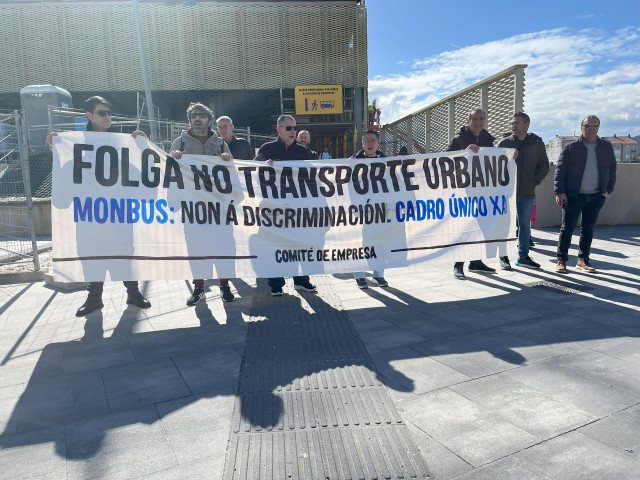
99, 120
201, 139
285, 147
585, 176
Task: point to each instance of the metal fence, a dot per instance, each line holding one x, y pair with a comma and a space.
432, 128
18, 243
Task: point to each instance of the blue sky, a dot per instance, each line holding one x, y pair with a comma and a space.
583, 57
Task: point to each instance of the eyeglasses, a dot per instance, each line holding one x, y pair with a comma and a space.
198, 114
288, 128
587, 125
103, 113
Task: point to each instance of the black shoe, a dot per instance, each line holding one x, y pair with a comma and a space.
527, 262
227, 296
381, 281
276, 291
305, 286
90, 305
458, 270
197, 296
138, 300
504, 263
479, 266
362, 283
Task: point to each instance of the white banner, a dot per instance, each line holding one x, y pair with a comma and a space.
121, 206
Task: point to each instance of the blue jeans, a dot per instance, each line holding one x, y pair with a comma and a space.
589, 206
524, 208
376, 274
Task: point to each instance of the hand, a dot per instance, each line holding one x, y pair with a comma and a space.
50, 138
515, 154
473, 147
139, 132
226, 156
270, 162
177, 154
605, 194
561, 199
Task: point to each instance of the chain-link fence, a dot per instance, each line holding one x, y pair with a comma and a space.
432, 128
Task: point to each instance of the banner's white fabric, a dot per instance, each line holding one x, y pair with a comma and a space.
122, 206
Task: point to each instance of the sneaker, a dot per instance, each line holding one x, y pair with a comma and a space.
527, 262
90, 305
561, 266
584, 264
227, 296
479, 266
196, 297
362, 283
276, 291
381, 281
504, 263
458, 270
138, 300
305, 286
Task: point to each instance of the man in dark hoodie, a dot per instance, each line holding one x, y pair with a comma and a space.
533, 166
99, 120
473, 136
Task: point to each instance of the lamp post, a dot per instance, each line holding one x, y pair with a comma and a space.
155, 134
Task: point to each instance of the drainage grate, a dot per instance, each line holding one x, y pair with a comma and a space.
564, 289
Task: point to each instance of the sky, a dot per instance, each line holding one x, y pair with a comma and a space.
583, 57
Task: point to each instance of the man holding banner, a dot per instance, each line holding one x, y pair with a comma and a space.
285, 147
370, 144
200, 139
533, 166
473, 136
99, 120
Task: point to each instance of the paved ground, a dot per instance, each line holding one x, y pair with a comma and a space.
520, 375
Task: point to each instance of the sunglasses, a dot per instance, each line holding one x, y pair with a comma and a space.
587, 125
103, 113
288, 128
198, 114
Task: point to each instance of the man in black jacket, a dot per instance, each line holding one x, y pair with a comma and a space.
473, 136
533, 166
585, 176
282, 148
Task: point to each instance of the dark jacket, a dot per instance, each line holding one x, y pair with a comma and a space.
465, 137
277, 150
361, 154
532, 162
572, 161
240, 149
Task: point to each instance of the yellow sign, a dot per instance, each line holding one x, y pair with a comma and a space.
318, 99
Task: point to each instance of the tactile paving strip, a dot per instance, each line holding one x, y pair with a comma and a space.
310, 405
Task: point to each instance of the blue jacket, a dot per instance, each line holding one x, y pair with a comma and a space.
571, 163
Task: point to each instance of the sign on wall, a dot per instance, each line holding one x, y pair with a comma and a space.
318, 99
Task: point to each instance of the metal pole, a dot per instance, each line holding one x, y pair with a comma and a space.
21, 130
145, 75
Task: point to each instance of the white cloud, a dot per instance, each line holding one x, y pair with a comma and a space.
569, 74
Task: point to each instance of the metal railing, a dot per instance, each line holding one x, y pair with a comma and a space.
18, 241
432, 128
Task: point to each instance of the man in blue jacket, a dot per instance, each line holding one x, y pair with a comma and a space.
585, 176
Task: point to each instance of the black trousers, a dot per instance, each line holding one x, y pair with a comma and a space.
95, 288
587, 205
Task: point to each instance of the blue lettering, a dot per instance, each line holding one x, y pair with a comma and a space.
133, 210
162, 216
399, 212
83, 213
101, 202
